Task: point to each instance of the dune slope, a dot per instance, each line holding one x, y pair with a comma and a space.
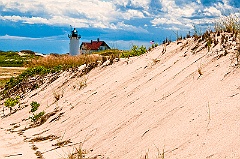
184, 103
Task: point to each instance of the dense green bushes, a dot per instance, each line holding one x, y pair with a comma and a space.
135, 51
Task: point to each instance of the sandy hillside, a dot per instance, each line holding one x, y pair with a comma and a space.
184, 102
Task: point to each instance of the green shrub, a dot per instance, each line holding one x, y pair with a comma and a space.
35, 117
35, 106
142, 50
135, 51
11, 102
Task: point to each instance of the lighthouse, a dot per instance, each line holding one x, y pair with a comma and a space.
74, 42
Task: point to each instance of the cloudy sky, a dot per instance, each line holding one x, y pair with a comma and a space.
43, 25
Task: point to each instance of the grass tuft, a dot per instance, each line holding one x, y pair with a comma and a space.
200, 71
78, 153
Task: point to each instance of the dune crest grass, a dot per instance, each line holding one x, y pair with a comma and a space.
66, 61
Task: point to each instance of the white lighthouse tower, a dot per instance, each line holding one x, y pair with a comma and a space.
74, 42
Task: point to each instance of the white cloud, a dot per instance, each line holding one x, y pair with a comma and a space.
61, 12
63, 20
107, 13
11, 18
212, 11
35, 20
8, 37
224, 6
123, 26
158, 21
132, 14
140, 3
186, 15
173, 28
175, 17
56, 20
50, 38
121, 2
88, 13
133, 3
170, 8
199, 1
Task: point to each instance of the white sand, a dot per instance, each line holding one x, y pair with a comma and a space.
137, 107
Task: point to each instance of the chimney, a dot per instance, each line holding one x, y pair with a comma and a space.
97, 39
91, 41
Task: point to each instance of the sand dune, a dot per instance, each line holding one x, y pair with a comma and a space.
184, 102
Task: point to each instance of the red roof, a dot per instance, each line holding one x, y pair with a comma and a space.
94, 45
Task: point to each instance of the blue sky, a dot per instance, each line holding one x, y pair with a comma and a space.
43, 26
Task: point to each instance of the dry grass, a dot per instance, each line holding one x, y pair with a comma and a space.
38, 154
57, 95
160, 155
200, 71
11, 71
66, 61
238, 55
7, 72
34, 147
3, 82
83, 82
155, 61
61, 143
80, 153
77, 154
228, 24
41, 138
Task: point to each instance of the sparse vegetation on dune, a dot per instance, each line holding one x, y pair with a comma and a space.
11, 102
30, 72
229, 24
55, 63
226, 35
51, 64
77, 153
110, 52
135, 51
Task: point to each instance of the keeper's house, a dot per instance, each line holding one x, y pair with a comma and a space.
93, 46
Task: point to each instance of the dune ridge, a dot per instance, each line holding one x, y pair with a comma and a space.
184, 102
